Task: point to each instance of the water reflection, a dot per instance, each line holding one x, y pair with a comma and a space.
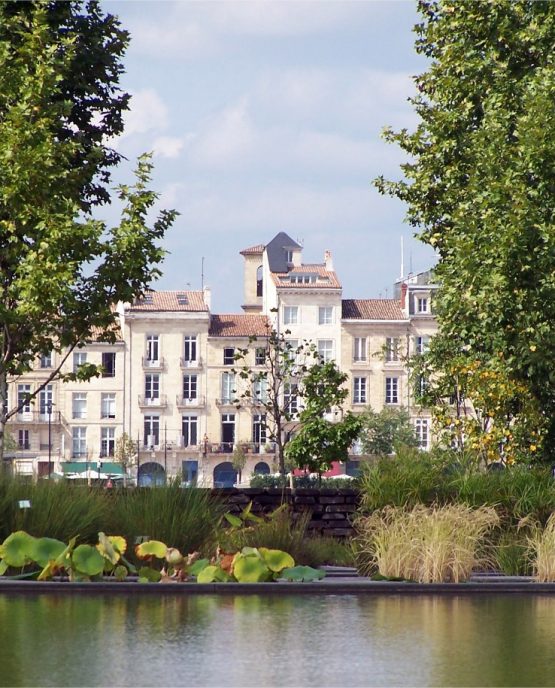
277, 641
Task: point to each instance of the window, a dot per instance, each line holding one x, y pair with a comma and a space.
359, 352
302, 279
107, 441
79, 442
290, 315
421, 304
229, 356
391, 390
190, 348
259, 281
421, 386
325, 315
259, 428
79, 405
260, 356
391, 349
190, 387
46, 361
290, 397
288, 256
79, 359
228, 431
152, 387
45, 401
260, 390
291, 350
422, 432
325, 349
152, 348
228, 387
109, 364
23, 403
108, 405
422, 344
359, 390
189, 430
23, 441
152, 431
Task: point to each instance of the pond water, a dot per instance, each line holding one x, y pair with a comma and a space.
347, 640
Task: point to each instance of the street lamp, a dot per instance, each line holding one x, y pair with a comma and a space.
49, 409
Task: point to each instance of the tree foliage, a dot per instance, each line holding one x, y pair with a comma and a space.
62, 271
382, 432
276, 387
480, 187
325, 434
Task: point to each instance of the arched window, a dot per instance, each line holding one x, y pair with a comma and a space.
262, 468
259, 281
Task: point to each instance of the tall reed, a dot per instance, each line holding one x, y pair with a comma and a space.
542, 551
425, 544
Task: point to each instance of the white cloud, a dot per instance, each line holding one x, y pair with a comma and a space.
167, 146
147, 113
226, 138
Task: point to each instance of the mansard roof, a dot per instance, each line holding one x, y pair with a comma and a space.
239, 325
322, 278
372, 309
170, 301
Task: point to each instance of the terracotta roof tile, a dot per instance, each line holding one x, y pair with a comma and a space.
169, 301
238, 325
324, 278
253, 250
372, 309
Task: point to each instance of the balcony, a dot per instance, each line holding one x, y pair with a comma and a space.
189, 402
153, 364
38, 417
227, 401
188, 365
161, 401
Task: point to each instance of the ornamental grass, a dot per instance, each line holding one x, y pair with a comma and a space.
541, 543
426, 544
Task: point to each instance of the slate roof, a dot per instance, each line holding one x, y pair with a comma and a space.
372, 309
168, 301
238, 325
276, 251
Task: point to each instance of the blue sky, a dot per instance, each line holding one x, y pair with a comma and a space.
266, 117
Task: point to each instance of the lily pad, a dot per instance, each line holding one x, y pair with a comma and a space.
213, 574
151, 548
3, 567
276, 560
300, 574
251, 569
148, 575
87, 560
197, 567
120, 572
111, 547
42, 550
15, 549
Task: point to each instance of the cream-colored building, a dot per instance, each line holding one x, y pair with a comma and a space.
172, 381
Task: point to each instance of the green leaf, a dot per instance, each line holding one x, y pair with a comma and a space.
197, 567
300, 574
276, 560
251, 569
87, 560
148, 575
213, 574
42, 550
16, 549
151, 548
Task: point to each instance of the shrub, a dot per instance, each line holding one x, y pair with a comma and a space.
425, 544
308, 481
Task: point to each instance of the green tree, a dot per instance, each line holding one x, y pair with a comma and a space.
325, 433
382, 432
125, 451
480, 185
62, 271
276, 386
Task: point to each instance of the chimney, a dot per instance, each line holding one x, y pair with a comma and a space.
404, 289
207, 296
328, 260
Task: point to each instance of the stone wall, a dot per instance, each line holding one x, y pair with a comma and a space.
331, 509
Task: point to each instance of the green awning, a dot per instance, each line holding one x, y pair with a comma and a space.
108, 467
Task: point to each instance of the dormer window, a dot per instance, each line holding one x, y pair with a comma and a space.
422, 304
182, 300
302, 279
288, 256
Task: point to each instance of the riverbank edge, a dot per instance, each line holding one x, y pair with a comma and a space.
331, 586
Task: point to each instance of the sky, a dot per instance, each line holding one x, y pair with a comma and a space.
265, 117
